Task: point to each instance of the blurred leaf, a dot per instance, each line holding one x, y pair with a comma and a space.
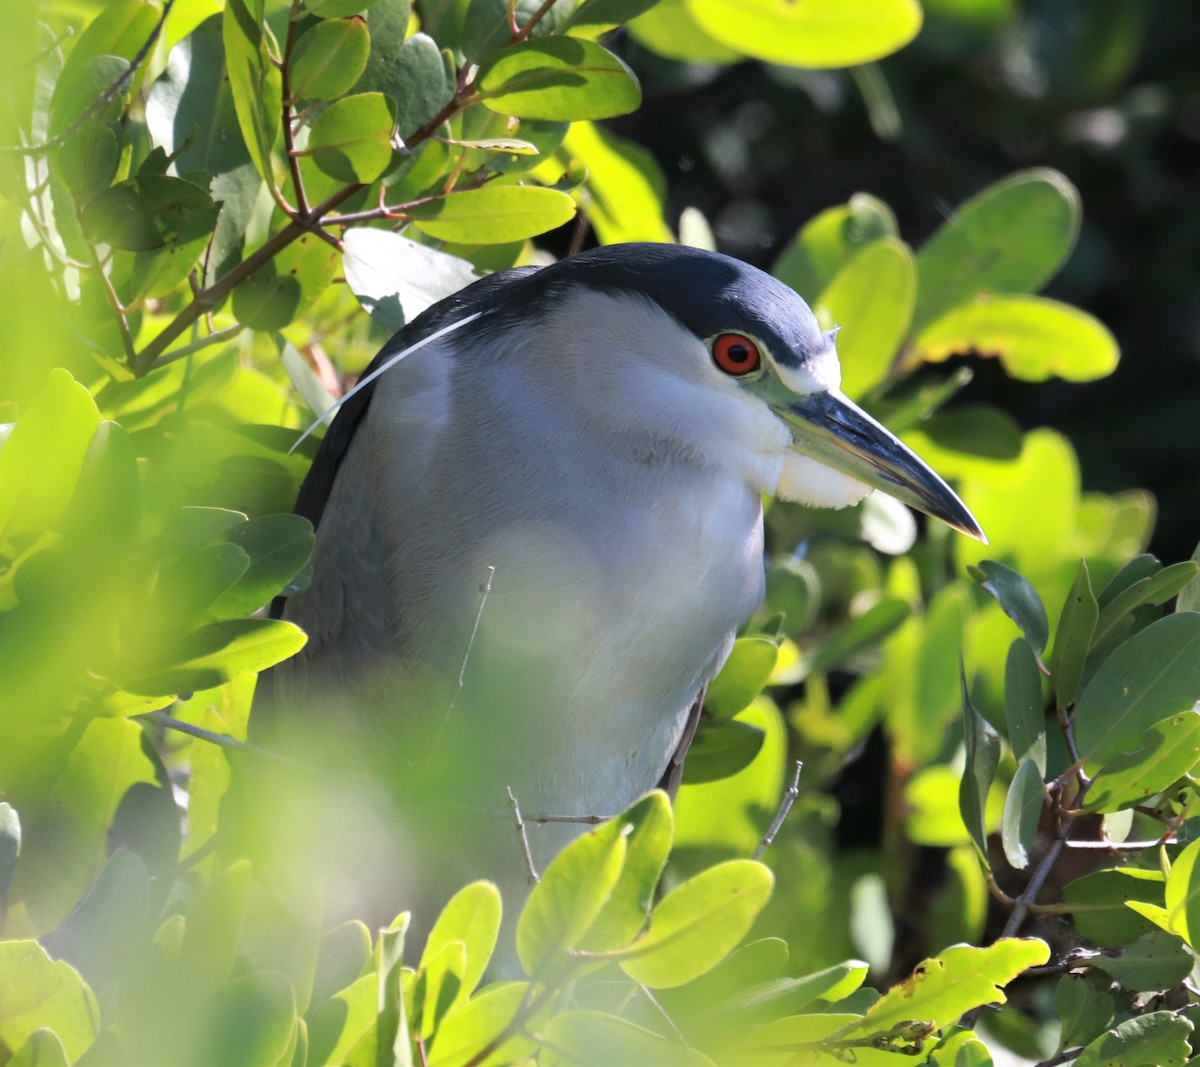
976, 430
143, 213
722, 748
119, 28
828, 243
571, 894
337, 1024
1022, 810
336, 9
214, 654
493, 214
10, 851
698, 924
286, 286
1073, 638
1025, 709
438, 986
932, 815
1102, 898
1010, 238
472, 917
249, 1022
935, 693
1018, 599
328, 59
822, 33
953, 982
558, 78
1154, 674
344, 954
186, 588
43, 1049
89, 158
594, 17
743, 677
214, 925
395, 278
1170, 750
624, 185
647, 846
871, 626
871, 299
37, 993
669, 30
983, 757
1159, 1037
598, 1039
254, 81
43, 455
277, 547
471, 1027
1156, 961
351, 140
1034, 338
1085, 1010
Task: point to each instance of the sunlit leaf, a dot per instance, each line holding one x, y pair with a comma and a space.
328, 59
36, 992
287, 285
722, 747
472, 917
1169, 750
351, 139
669, 30
477, 1024
493, 214
254, 81
743, 677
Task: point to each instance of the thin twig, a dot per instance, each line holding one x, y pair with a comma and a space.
584, 820
289, 142
161, 718
516, 810
207, 341
523, 33
785, 805
1061, 1058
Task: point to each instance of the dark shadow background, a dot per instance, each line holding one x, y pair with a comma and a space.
1107, 91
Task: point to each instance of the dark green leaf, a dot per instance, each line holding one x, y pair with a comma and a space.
1025, 710
1102, 896
1010, 238
277, 547
1154, 590
558, 78
249, 1022
722, 748
1170, 750
88, 159
140, 214
1136, 570
1159, 1037
410, 70
186, 588
976, 430
1085, 1011
1155, 962
983, 757
286, 286
1073, 638
256, 83
486, 28
1022, 810
328, 59
1018, 599
698, 924
1154, 674
1189, 598
336, 9
352, 138
494, 214
743, 677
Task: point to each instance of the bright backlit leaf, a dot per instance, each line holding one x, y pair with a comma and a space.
493, 214
742, 678
36, 992
351, 139
669, 30
254, 80
472, 917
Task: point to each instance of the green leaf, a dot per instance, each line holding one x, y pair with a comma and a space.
1022, 810
487, 29
646, 849
1159, 1037
336, 9
598, 1039
256, 83
1155, 962
953, 982
669, 30
698, 924
44, 454
1073, 638
471, 1027
828, 243
1156, 589
1170, 750
1189, 598
983, 757
43, 1049
214, 925
395, 278
214, 654
1101, 899
249, 1022
186, 588
1024, 708
1085, 1011
351, 139
143, 213
344, 953
286, 286
860, 632
276, 548
1136, 570
871, 299
38, 993
438, 986
119, 28
743, 677
818, 33
90, 156
558, 78
493, 214
336, 1025
1154, 674
571, 894
10, 848
328, 59
1018, 599
1033, 337
1010, 238
471, 917
1182, 895
624, 184
594, 17
721, 748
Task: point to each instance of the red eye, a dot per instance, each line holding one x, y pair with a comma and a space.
735, 353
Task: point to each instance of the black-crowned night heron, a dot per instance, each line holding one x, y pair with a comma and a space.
538, 532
